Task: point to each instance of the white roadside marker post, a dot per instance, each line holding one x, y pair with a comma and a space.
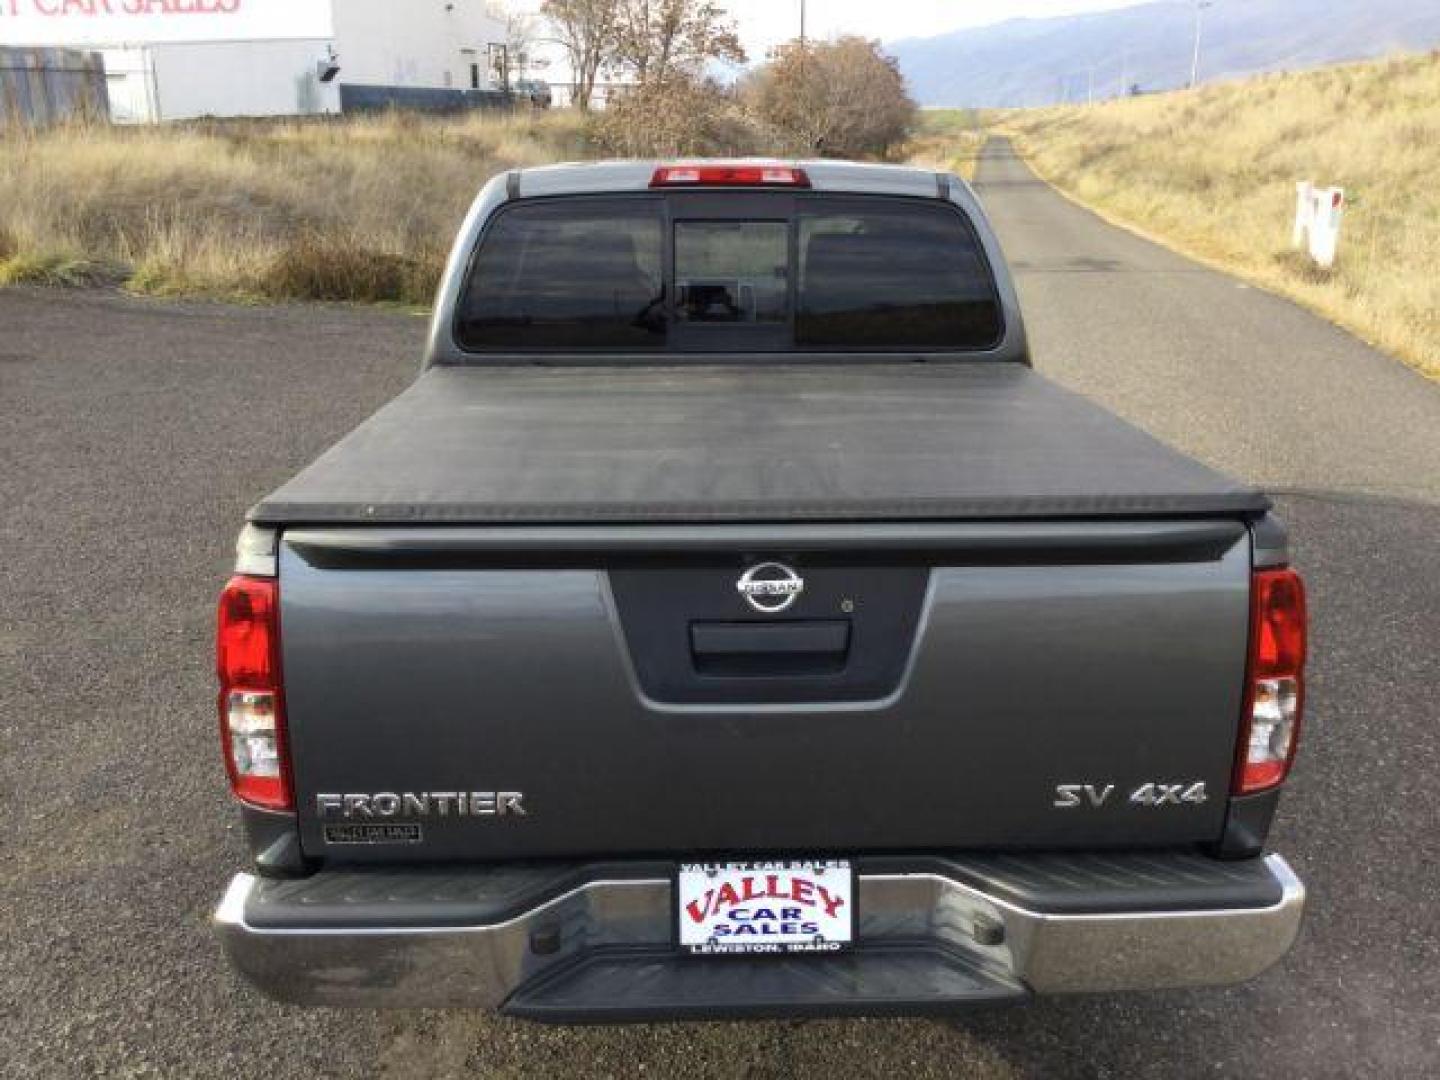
1318, 212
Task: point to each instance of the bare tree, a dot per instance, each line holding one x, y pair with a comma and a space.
842, 98
658, 39
520, 34
587, 29
680, 117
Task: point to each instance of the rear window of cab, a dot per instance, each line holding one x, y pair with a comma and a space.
644, 273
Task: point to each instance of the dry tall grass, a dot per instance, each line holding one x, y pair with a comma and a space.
359, 209
947, 140
1213, 173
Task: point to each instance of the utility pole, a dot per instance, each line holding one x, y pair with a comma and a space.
499, 56
802, 24
1200, 6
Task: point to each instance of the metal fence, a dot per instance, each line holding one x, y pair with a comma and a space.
355, 99
39, 87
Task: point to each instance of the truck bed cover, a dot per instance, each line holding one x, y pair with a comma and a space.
826, 442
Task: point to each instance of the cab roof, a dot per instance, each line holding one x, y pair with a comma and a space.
599, 177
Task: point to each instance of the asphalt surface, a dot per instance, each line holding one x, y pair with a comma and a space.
135, 434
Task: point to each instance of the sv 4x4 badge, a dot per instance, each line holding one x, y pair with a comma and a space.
1152, 793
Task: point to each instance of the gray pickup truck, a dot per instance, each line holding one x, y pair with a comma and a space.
729, 622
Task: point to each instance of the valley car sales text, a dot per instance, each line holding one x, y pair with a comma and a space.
96, 8
759, 906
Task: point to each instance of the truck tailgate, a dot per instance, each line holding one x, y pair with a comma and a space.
931, 686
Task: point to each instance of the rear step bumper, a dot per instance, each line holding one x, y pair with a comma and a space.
593, 943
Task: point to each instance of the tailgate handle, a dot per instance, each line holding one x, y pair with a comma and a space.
813, 647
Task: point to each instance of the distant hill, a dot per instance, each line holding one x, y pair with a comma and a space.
1044, 61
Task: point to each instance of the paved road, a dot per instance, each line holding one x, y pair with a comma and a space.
135, 434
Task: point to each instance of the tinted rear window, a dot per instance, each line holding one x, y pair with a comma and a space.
891, 276
582, 274
821, 272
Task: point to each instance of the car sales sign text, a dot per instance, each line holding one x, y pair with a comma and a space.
114, 22
60, 9
779, 906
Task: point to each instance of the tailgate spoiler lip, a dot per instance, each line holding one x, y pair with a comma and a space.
983, 543
1240, 504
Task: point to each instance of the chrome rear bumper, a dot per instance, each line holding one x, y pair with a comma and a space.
315, 962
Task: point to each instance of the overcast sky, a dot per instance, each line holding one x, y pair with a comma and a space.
764, 23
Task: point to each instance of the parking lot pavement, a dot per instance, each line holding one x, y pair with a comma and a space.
136, 433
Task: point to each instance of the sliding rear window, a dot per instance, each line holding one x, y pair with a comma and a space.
713, 274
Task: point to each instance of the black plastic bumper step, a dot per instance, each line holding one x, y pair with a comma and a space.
1080, 882
899, 980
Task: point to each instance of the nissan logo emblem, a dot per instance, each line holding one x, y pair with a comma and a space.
770, 587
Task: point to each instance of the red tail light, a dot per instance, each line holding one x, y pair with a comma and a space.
729, 176
252, 711
1275, 687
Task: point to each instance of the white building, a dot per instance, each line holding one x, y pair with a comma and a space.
181, 59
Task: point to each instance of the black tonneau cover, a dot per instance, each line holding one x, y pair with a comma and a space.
885, 441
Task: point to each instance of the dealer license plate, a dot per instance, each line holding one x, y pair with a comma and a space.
766, 906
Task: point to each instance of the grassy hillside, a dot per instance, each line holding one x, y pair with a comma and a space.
359, 209
1212, 172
